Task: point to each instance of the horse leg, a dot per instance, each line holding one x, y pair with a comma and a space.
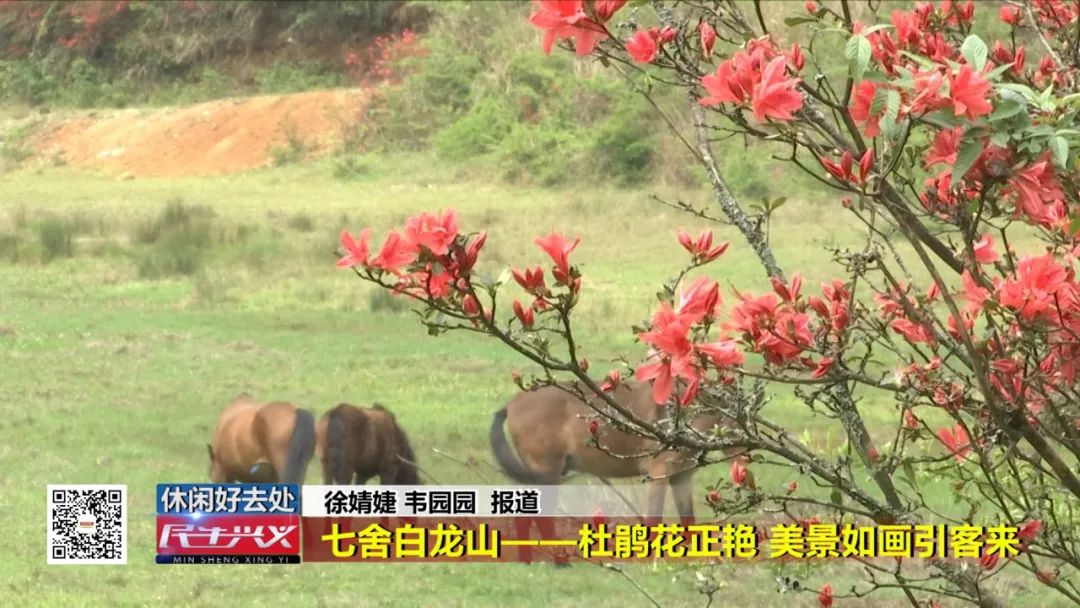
682, 489
549, 471
657, 470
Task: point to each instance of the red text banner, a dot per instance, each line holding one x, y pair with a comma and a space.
611, 539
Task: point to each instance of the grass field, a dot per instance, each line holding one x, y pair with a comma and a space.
117, 355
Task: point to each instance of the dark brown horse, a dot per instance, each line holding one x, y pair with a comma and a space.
549, 428
257, 442
356, 444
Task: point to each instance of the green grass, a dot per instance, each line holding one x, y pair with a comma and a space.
113, 375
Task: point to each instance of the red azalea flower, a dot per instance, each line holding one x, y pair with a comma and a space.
702, 248
984, 250
968, 92
708, 38
395, 253
642, 47
566, 19
1029, 530
525, 315
356, 250
825, 596
531, 280
434, 233
738, 472
776, 96
1010, 14
558, 248
956, 440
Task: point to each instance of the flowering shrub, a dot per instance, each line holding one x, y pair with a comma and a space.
964, 149
376, 64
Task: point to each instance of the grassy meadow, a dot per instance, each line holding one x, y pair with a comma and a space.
132, 311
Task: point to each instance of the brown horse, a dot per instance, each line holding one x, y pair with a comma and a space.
257, 442
356, 444
550, 431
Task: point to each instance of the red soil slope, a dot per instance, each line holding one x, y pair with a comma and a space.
209, 138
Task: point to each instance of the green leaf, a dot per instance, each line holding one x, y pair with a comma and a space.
1059, 148
1001, 138
1006, 109
504, 276
892, 110
793, 21
874, 28
909, 470
1019, 88
836, 497
1074, 225
947, 117
858, 53
998, 71
923, 62
968, 154
974, 51
877, 105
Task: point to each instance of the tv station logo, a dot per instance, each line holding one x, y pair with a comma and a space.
229, 523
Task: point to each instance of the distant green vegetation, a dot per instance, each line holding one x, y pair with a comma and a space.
496, 106
115, 54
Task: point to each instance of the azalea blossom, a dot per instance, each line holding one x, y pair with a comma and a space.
969, 92
758, 75
642, 47
984, 250
861, 101
776, 96
566, 19
356, 250
531, 280
825, 596
558, 248
434, 233
956, 440
708, 38
1010, 14
396, 252
701, 248
738, 472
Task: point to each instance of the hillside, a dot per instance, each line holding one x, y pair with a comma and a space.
208, 138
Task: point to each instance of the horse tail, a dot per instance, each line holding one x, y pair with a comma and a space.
407, 472
504, 454
408, 475
337, 462
301, 447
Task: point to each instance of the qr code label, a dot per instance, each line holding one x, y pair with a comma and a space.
87, 524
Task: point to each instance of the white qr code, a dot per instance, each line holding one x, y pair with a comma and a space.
87, 524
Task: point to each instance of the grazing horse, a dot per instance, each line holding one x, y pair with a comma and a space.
257, 442
356, 444
550, 431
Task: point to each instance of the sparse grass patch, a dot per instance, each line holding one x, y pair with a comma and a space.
301, 222
351, 166
175, 240
295, 148
14, 148
56, 237
191, 221
381, 301
11, 247
174, 257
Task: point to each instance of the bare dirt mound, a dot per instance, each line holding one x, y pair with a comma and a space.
215, 137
